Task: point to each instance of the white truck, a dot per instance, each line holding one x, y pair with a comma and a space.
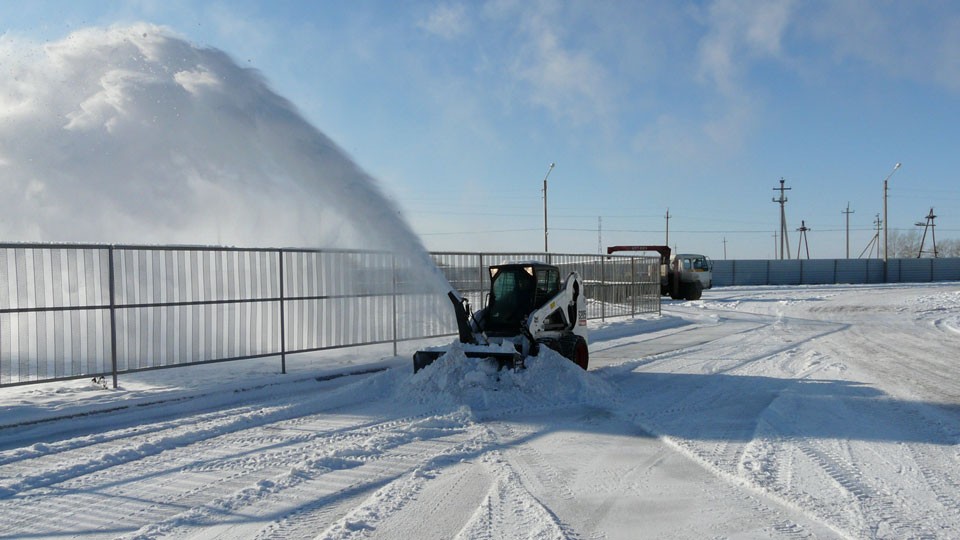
682, 276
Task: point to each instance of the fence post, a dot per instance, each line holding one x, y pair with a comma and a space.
603, 292
283, 334
480, 282
113, 317
393, 296
633, 286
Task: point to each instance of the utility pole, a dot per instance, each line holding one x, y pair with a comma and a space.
545, 249
775, 236
878, 222
600, 234
873, 241
885, 221
667, 241
803, 238
848, 211
784, 242
724, 248
929, 224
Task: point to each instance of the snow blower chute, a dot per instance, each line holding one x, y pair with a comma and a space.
527, 306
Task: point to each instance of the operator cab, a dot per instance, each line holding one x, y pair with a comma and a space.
516, 290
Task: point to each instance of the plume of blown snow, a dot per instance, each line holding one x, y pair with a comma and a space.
131, 134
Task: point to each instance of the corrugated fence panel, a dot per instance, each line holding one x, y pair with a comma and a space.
946, 269
818, 271
851, 271
915, 270
751, 272
785, 272
874, 271
54, 307
723, 273
827, 271
893, 272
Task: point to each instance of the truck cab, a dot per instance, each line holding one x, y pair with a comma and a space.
695, 267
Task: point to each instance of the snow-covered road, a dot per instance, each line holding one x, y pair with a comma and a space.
826, 412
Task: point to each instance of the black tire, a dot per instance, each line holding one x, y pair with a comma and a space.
575, 348
693, 291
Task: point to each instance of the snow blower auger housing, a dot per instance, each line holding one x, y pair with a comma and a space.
527, 307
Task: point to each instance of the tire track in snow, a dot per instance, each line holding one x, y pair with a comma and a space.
185, 470
48, 464
724, 448
356, 496
510, 507
331, 482
56, 467
547, 478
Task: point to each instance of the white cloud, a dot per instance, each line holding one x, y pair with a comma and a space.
568, 81
696, 143
446, 21
917, 41
738, 33
715, 126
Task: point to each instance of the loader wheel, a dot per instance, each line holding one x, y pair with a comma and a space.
581, 355
576, 350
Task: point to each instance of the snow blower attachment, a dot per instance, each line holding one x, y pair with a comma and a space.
527, 306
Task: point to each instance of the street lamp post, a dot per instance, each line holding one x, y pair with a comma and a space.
545, 249
885, 220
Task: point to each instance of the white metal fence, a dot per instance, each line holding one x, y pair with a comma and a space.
72, 311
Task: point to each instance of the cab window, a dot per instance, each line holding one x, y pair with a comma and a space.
548, 285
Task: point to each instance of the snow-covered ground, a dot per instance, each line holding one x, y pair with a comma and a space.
825, 412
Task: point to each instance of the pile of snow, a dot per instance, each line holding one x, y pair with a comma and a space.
457, 381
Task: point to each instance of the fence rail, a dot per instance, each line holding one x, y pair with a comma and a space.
87, 310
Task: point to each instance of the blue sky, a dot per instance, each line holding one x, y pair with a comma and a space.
458, 109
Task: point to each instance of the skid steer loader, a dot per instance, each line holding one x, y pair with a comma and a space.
527, 307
